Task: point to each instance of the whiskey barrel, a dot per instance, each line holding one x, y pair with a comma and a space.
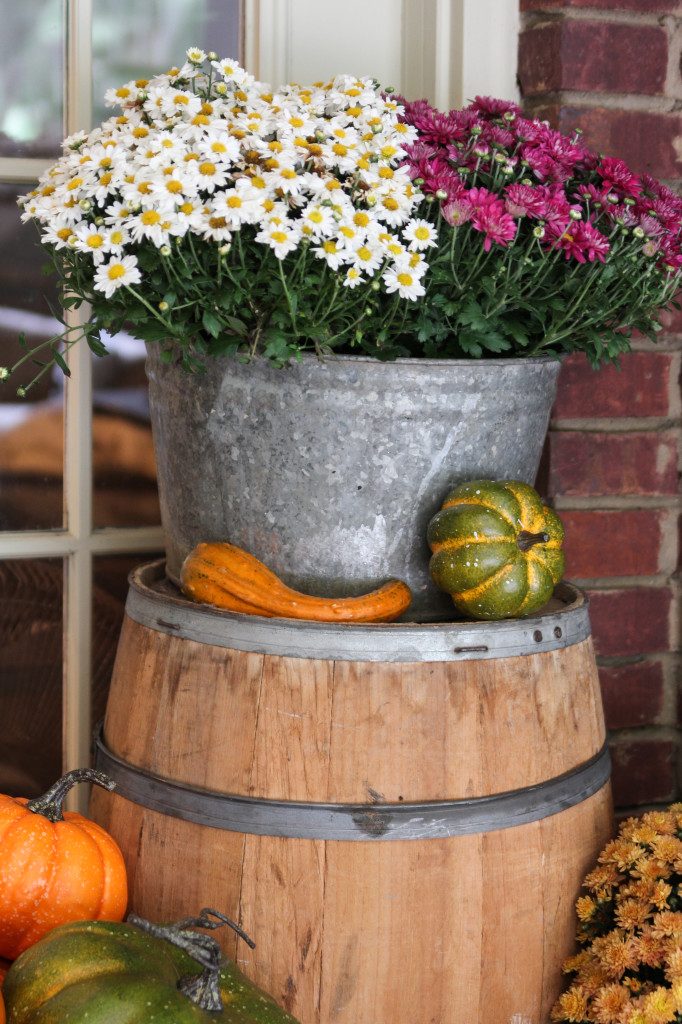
400, 815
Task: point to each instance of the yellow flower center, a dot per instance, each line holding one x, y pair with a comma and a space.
207, 168
278, 236
150, 217
405, 279
95, 241
115, 271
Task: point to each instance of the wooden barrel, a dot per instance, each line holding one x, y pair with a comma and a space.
400, 815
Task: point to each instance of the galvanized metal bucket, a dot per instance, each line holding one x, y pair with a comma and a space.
329, 471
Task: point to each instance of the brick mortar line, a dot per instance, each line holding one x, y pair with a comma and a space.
615, 502
608, 583
626, 811
616, 425
628, 660
629, 103
646, 732
539, 19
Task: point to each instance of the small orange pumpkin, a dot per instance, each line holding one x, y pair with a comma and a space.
55, 866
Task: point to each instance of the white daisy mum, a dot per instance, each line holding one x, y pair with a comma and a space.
117, 273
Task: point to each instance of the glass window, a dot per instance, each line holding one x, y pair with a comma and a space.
123, 466
31, 593
31, 434
31, 78
132, 40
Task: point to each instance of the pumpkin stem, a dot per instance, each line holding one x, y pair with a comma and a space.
202, 989
50, 803
526, 540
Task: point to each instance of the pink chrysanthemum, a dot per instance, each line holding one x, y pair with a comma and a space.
524, 201
497, 225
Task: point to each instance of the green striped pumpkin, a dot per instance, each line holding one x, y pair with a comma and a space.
496, 549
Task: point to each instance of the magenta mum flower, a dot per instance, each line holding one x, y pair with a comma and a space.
579, 240
524, 201
494, 108
616, 174
497, 225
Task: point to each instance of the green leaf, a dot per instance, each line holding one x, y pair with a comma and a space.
211, 323
60, 361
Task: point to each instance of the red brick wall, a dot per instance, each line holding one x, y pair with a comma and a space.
612, 461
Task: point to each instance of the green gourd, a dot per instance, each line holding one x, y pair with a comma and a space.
135, 972
496, 549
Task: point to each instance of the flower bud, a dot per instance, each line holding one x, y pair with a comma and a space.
476, 129
21, 392
612, 198
638, 232
508, 169
430, 198
4, 373
142, 96
441, 194
575, 215
72, 241
211, 55
165, 250
371, 200
377, 129
538, 231
375, 286
163, 306
220, 87
419, 182
500, 158
224, 249
509, 115
629, 201
368, 310
389, 89
99, 221
85, 205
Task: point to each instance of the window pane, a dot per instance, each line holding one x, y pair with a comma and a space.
124, 471
30, 675
110, 589
31, 443
31, 78
133, 39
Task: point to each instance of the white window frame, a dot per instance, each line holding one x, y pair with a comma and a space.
77, 543
450, 51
